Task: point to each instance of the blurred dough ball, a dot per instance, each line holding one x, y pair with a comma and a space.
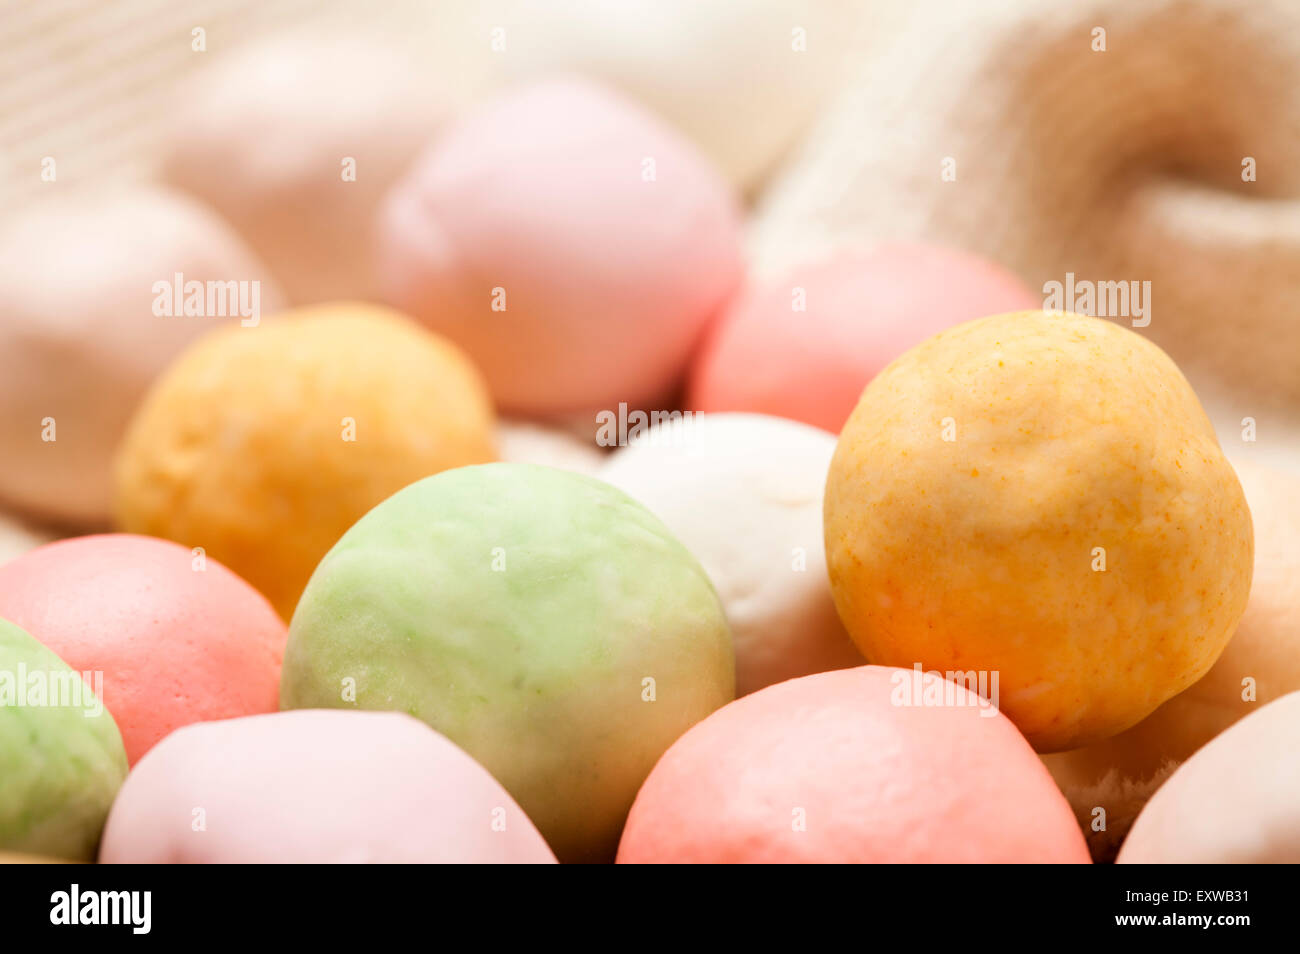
571, 243
731, 76
1120, 773
263, 134
263, 445
527, 442
805, 346
79, 340
1236, 801
744, 493
17, 537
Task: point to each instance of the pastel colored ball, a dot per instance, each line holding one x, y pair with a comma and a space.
572, 244
529, 442
543, 621
326, 123
316, 787
1260, 664
61, 757
1236, 801
84, 332
1042, 496
851, 767
805, 346
744, 493
177, 636
263, 445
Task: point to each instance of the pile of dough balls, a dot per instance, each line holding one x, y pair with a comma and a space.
658, 436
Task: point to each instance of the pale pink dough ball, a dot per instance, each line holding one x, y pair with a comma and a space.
874, 764
571, 243
177, 636
315, 786
804, 346
89, 290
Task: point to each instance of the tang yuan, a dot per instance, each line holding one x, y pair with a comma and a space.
1236, 801
848, 767
316, 787
805, 345
89, 288
1042, 496
543, 621
264, 447
174, 636
61, 757
572, 244
744, 493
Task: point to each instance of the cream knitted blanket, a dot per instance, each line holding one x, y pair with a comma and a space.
1086, 142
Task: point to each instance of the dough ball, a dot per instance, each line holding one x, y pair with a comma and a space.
263, 445
88, 287
1040, 496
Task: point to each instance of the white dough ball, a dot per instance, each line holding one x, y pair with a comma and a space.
528, 442
744, 493
1236, 801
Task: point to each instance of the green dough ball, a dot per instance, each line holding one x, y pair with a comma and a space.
542, 620
60, 765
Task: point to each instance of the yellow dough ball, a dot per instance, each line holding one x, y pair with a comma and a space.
1039, 496
1260, 664
263, 445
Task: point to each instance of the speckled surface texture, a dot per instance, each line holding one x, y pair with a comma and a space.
1068, 435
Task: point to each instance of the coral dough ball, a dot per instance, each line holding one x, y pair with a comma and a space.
1042, 496
574, 246
263, 445
89, 289
177, 636
61, 757
806, 345
871, 765
744, 493
316, 787
543, 621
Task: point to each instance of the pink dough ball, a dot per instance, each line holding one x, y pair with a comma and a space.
315, 786
177, 636
852, 766
805, 346
571, 243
